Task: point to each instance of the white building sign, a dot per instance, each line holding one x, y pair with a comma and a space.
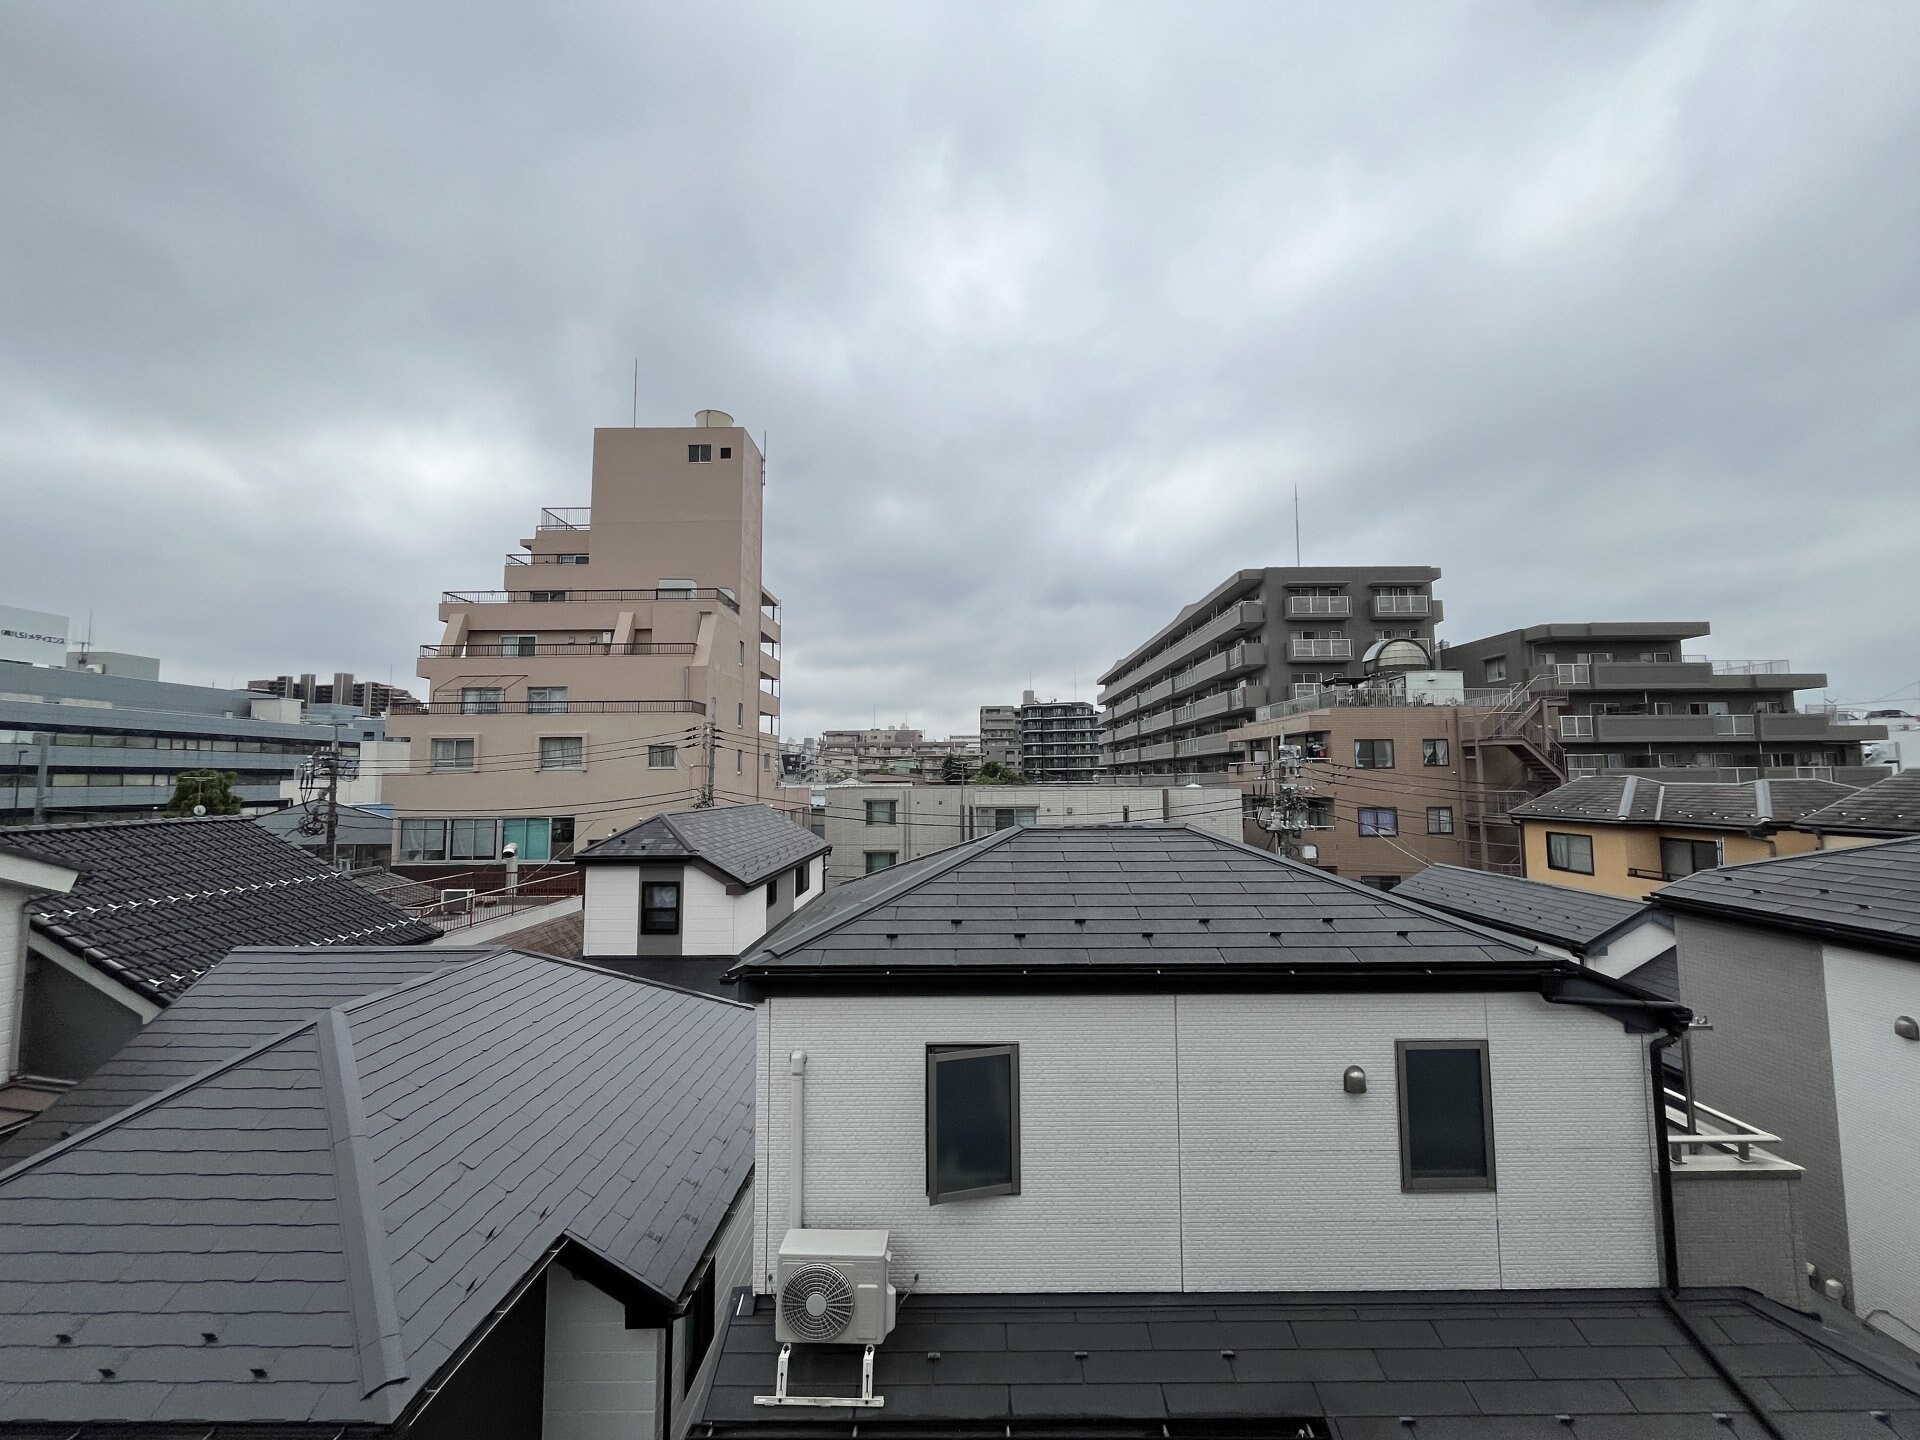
33, 636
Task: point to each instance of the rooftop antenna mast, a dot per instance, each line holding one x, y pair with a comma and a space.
1296, 527
636, 392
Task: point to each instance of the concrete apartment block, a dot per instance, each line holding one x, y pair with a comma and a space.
581, 696
1258, 637
1000, 734
872, 827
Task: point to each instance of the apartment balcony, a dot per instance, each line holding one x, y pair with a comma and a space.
1120, 709
1234, 620
569, 650
567, 517
1150, 753
1388, 606
1204, 745
557, 707
1334, 647
1802, 726
1121, 733
454, 601
769, 667
1241, 697
1302, 607
1160, 720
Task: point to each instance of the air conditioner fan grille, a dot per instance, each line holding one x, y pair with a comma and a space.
816, 1303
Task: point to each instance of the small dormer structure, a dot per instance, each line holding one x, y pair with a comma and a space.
697, 883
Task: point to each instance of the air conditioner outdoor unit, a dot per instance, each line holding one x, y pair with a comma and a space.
831, 1288
456, 902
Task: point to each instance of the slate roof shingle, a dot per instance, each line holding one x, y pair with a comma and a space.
364, 1190
1639, 800
1867, 894
1889, 807
1488, 1365
1557, 914
748, 843
1141, 896
161, 900
247, 998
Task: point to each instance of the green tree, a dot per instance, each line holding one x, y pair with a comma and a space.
954, 770
210, 788
994, 773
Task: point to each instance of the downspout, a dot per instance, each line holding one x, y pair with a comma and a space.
797, 1163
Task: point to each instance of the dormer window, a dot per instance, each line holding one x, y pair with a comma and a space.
659, 908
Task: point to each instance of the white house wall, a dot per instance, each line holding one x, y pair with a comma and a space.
602, 1380
1876, 1082
611, 921
13, 973
1205, 1143
732, 1268
1633, 949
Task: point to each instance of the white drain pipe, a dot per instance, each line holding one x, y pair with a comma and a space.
797, 1163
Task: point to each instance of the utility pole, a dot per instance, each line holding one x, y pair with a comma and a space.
40, 781
707, 745
333, 800
1286, 818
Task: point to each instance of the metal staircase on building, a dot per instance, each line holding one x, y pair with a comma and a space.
1524, 725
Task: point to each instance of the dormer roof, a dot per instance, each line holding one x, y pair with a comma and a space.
746, 843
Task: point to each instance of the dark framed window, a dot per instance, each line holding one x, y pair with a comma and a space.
1684, 857
726, 452
881, 860
1439, 819
773, 892
1446, 1115
881, 812
1379, 821
1435, 752
699, 454
1381, 882
973, 1121
697, 1339
1572, 853
803, 877
1373, 754
660, 907
661, 757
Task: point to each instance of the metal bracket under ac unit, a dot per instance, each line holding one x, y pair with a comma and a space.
866, 1398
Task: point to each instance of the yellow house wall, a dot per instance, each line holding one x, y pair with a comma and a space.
1619, 849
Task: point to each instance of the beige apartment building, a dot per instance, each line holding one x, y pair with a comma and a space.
629, 664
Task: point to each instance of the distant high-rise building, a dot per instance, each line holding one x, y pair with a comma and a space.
1059, 740
629, 666
1000, 734
1259, 636
369, 697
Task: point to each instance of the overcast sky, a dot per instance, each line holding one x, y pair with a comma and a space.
1612, 311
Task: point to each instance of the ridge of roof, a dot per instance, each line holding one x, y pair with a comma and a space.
55, 826
375, 1308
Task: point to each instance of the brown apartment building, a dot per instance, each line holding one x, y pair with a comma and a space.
629, 663
1389, 782
1259, 637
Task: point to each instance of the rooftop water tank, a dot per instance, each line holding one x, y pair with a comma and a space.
713, 419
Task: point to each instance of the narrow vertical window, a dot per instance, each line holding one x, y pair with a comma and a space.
1446, 1115
973, 1121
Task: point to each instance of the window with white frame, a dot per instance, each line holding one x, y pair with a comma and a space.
452, 754
480, 700
546, 699
519, 644
423, 841
699, 454
562, 752
1496, 671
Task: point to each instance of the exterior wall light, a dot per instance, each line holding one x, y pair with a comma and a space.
1354, 1082
1906, 1027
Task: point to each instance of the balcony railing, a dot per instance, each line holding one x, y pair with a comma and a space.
1732, 724
1572, 674
1693, 1127
1319, 605
570, 517
1401, 604
586, 597
527, 557
544, 650
1337, 647
1752, 667
1576, 727
553, 707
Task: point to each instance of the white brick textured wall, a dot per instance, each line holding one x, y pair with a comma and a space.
1876, 1082
602, 1379
610, 923
1205, 1143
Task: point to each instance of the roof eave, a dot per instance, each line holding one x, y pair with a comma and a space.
1768, 920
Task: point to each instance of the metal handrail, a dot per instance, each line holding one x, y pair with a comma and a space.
1319, 605
566, 517
1753, 667
1736, 1138
1401, 605
527, 557
550, 649
581, 597
554, 707
1322, 648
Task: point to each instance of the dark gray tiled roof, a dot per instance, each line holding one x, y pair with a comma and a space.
1489, 1365
344, 1206
748, 843
247, 998
1144, 897
1638, 800
1886, 807
159, 901
1866, 893
1557, 914
1660, 975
